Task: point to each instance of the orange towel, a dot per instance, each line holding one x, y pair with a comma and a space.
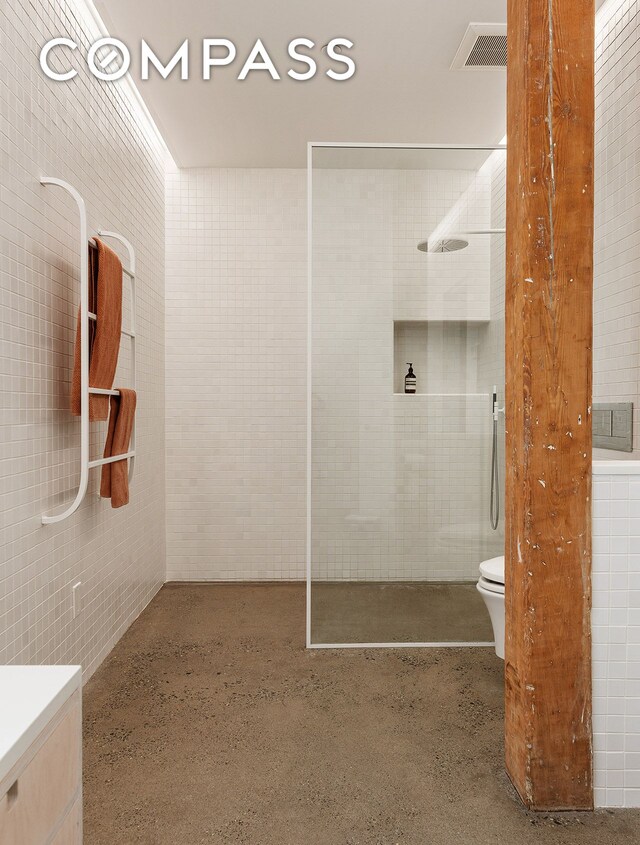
105, 301
114, 483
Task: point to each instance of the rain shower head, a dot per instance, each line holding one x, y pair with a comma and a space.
455, 241
444, 245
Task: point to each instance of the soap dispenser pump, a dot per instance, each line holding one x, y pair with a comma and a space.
410, 380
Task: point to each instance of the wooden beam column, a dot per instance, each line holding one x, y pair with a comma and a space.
550, 139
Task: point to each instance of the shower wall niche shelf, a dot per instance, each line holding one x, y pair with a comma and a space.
85, 316
444, 356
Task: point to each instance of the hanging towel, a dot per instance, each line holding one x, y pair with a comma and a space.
105, 301
114, 483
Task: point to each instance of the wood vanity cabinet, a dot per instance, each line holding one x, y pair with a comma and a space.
41, 794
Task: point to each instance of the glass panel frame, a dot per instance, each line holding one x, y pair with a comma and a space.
345, 153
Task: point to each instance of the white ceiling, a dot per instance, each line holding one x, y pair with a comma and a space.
403, 90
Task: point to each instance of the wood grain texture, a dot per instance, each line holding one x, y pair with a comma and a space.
70, 831
46, 782
550, 130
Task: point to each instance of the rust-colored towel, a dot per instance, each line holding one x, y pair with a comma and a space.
105, 300
114, 483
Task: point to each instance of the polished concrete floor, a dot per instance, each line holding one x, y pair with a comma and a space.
395, 612
211, 723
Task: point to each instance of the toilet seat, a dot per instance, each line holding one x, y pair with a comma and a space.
490, 586
493, 570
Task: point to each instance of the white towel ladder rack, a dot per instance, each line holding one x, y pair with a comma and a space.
85, 316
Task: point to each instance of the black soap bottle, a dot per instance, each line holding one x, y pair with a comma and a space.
410, 380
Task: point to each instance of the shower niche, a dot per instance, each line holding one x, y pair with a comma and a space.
444, 354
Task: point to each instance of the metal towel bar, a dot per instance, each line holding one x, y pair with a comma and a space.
85, 316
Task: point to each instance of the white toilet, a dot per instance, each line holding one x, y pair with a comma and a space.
491, 588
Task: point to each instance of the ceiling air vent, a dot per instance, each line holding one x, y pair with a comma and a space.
484, 47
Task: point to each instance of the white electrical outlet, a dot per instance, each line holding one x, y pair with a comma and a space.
76, 598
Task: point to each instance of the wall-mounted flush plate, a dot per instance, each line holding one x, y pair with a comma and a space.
76, 598
613, 426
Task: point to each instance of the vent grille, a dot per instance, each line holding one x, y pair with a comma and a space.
488, 51
483, 47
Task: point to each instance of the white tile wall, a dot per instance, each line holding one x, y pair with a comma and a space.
236, 374
442, 204
616, 489
89, 134
616, 343
432, 204
491, 364
236, 350
491, 344
400, 484
615, 623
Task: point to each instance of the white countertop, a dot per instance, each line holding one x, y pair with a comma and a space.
29, 697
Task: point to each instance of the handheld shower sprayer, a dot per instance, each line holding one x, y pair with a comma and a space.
496, 410
494, 513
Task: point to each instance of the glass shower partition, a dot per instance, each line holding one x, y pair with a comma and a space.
407, 268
